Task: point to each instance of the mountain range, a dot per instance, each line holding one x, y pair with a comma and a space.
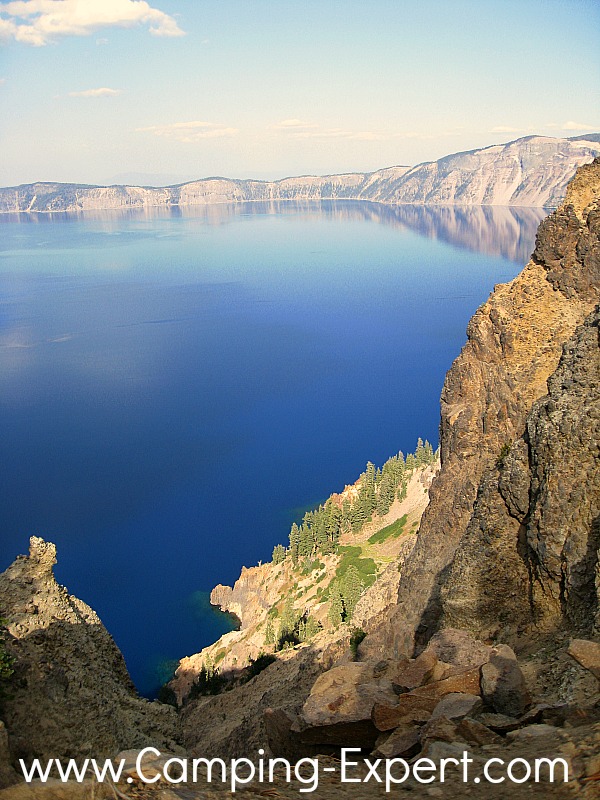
532, 171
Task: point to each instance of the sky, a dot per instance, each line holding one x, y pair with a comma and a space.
158, 92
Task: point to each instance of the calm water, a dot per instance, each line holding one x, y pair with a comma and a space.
175, 390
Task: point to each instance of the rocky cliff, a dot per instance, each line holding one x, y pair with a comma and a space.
515, 342
70, 694
533, 171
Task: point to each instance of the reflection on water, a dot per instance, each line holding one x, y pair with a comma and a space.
507, 231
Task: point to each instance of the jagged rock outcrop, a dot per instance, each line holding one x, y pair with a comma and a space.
514, 345
533, 171
71, 694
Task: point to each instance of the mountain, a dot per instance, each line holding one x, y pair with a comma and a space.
532, 171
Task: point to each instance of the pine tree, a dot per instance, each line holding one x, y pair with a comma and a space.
278, 554
294, 542
269, 632
336, 604
352, 587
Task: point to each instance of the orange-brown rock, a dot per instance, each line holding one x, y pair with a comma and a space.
410, 708
467, 681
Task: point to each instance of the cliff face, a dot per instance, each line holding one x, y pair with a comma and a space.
499, 553
533, 171
530, 551
71, 694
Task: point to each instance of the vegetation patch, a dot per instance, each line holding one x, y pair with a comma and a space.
351, 556
389, 532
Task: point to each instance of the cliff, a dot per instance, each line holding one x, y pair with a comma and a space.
515, 342
533, 171
71, 694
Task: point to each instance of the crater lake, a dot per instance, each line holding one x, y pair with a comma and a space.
178, 386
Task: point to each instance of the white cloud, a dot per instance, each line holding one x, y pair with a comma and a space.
190, 131
292, 125
570, 126
576, 126
38, 22
505, 129
102, 92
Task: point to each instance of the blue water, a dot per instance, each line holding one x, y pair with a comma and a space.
174, 388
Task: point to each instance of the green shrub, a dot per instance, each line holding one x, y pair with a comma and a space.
257, 665
167, 696
504, 451
390, 531
356, 637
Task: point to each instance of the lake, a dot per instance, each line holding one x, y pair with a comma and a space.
177, 387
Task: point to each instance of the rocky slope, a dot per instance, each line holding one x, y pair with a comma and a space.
262, 590
533, 171
71, 694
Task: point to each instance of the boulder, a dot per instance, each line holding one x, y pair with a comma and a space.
498, 722
346, 694
417, 672
465, 680
458, 648
409, 708
441, 729
587, 654
457, 705
477, 734
282, 740
339, 707
502, 683
404, 742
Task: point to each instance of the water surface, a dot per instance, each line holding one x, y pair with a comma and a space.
174, 386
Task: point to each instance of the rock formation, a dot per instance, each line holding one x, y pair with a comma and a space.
533, 171
515, 341
71, 694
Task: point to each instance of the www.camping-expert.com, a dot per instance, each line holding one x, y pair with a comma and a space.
239, 772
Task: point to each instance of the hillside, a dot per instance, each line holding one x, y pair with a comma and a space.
532, 171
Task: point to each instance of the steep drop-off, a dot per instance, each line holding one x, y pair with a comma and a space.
515, 341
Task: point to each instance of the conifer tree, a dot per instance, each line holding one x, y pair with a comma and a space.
269, 632
351, 587
336, 604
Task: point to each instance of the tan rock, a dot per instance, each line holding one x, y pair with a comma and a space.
503, 684
466, 680
409, 708
344, 694
457, 705
587, 654
417, 672
475, 733
402, 743
441, 729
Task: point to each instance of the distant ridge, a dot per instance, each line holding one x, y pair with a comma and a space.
531, 171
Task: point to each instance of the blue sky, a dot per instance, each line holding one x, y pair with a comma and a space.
108, 90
